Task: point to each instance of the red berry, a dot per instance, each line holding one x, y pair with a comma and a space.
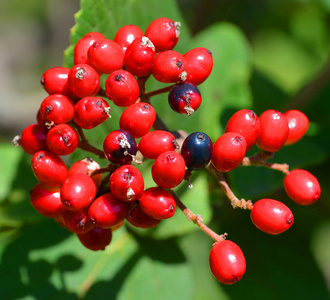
80, 53
107, 211
157, 142
298, 125
86, 166
168, 169
33, 138
90, 112
106, 56
49, 168
126, 183
46, 200
84, 81
138, 119
169, 67
138, 218
96, 239
126, 35
199, 64
228, 151
78, 191
139, 57
77, 221
157, 203
119, 147
271, 216
56, 81
227, 262
164, 33
62, 139
246, 123
57, 108
302, 187
184, 98
274, 130
122, 88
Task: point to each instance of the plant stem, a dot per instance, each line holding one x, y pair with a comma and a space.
197, 219
159, 91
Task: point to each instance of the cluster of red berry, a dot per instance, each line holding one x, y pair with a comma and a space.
84, 203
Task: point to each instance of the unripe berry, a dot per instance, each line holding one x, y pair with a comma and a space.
227, 262
271, 216
302, 187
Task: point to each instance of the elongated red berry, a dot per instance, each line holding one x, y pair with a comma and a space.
302, 187
157, 142
199, 65
56, 81
49, 168
271, 216
122, 88
158, 203
138, 119
107, 211
228, 151
168, 169
126, 35
227, 262
298, 125
78, 191
46, 200
96, 239
246, 123
164, 33
274, 130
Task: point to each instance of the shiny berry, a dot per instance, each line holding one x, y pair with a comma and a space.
302, 187
271, 216
122, 88
84, 81
169, 67
33, 138
106, 56
78, 191
168, 169
107, 211
56, 81
199, 65
138, 119
126, 183
157, 142
157, 203
164, 33
86, 166
62, 139
90, 112
196, 150
80, 52
227, 262
119, 147
298, 125
228, 151
57, 108
139, 57
126, 35
138, 218
77, 221
96, 239
46, 200
49, 168
246, 123
184, 98
274, 130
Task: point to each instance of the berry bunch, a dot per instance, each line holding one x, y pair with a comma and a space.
91, 201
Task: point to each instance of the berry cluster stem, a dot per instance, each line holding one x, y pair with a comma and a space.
197, 219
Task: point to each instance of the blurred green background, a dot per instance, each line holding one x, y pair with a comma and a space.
267, 54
